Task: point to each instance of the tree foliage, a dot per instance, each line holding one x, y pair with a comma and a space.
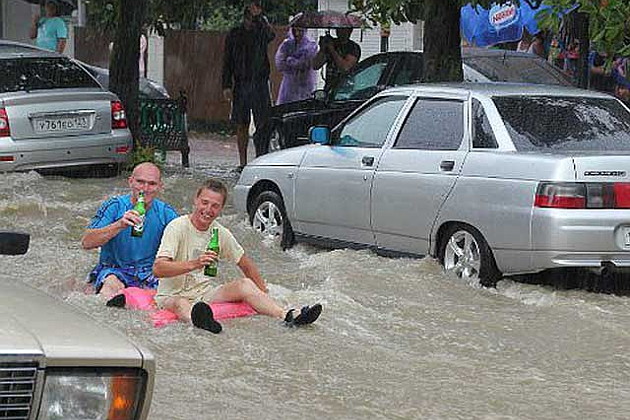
609, 22
193, 14
609, 25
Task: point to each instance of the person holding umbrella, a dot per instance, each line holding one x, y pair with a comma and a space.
340, 55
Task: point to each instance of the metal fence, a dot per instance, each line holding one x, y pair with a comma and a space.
163, 125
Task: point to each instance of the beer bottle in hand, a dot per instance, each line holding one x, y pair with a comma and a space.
138, 229
211, 269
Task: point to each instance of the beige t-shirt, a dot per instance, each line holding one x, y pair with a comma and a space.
183, 242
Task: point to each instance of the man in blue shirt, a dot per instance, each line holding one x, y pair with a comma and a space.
49, 32
126, 260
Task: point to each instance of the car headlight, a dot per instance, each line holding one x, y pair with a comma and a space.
80, 394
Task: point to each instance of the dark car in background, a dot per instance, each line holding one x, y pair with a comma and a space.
147, 88
291, 121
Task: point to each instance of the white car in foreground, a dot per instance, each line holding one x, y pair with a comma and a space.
56, 363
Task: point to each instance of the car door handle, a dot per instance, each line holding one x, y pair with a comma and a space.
447, 165
367, 160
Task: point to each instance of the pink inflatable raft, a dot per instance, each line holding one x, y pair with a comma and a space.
142, 299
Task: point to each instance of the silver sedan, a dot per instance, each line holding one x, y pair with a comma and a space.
492, 179
54, 114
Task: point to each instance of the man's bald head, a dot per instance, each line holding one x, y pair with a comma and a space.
146, 177
147, 167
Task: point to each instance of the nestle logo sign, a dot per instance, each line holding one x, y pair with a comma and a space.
503, 15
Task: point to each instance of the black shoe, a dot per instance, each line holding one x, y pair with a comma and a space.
202, 317
308, 315
118, 301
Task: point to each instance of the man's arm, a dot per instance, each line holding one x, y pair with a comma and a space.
269, 34
228, 64
248, 267
33, 31
167, 267
61, 45
319, 60
93, 238
62, 34
345, 62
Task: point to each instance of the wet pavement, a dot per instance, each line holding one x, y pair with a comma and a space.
207, 149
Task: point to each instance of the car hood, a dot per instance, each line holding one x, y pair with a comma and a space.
287, 157
34, 323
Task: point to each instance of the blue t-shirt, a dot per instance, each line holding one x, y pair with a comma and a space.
124, 250
49, 31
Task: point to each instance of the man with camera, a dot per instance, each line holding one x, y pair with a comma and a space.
339, 54
246, 78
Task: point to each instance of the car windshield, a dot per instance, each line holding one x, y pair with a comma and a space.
516, 69
553, 123
33, 73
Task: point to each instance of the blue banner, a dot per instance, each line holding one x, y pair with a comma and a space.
502, 23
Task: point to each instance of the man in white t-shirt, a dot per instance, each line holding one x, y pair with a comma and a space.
181, 259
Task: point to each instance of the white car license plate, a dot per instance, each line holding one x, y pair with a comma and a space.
625, 231
62, 124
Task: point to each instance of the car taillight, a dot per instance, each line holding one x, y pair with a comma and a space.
119, 118
622, 195
5, 130
561, 195
583, 195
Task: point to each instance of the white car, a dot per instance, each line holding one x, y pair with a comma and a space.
57, 363
489, 178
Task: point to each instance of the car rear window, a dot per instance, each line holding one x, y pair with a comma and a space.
513, 69
35, 73
565, 123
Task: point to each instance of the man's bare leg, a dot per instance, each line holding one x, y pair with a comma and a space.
179, 306
111, 287
242, 139
244, 289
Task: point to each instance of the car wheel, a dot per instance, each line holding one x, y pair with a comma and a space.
269, 217
466, 253
276, 141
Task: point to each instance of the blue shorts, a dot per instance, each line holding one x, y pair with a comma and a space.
130, 276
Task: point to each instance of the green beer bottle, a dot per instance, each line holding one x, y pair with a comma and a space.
138, 229
211, 269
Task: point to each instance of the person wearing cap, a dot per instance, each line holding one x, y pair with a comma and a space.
49, 32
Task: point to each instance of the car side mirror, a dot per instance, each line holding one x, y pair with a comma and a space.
319, 134
320, 95
14, 243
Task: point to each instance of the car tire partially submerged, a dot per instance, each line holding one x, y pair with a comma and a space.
464, 252
269, 217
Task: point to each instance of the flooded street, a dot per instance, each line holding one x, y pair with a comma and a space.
398, 339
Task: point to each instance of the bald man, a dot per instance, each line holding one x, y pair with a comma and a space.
126, 260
